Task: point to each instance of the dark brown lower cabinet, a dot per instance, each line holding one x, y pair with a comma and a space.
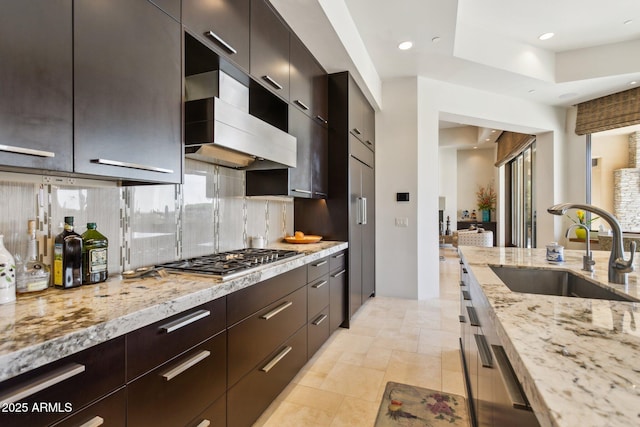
255, 337
214, 416
171, 394
218, 364
75, 381
255, 392
318, 330
110, 411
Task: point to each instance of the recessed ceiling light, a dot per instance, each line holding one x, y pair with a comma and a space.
633, 83
488, 139
475, 148
436, 39
568, 95
405, 45
546, 36
628, 21
493, 131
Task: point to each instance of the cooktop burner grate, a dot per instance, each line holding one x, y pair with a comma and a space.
230, 264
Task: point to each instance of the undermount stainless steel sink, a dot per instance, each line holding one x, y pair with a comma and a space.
555, 282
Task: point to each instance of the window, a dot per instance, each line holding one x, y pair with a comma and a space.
614, 180
521, 216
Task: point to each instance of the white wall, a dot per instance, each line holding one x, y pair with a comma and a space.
396, 169
475, 168
407, 157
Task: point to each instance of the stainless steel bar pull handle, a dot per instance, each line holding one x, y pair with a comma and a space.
178, 369
319, 285
474, 320
364, 211
184, 321
339, 255
204, 423
359, 210
277, 310
41, 383
321, 119
483, 350
222, 42
319, 320
320, 264
93, 422
269, 366
357, 131
272, 82
297, 190
29, 151
518, 400
129, 165
338, 274
320, 193
301, 104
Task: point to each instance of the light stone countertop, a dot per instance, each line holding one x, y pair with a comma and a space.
43, 327
577, 359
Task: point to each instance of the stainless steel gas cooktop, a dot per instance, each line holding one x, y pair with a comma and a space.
228, 265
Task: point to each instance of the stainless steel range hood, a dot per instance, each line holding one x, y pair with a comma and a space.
220, 130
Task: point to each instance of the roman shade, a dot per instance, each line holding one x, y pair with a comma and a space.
510, 144
609, 112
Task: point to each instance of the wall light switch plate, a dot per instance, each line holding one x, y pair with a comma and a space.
402, 222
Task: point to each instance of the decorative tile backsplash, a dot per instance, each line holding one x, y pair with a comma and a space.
147, 224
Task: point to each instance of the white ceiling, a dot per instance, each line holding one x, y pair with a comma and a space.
489, 45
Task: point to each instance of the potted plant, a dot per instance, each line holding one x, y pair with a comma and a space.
486, 198
581, 233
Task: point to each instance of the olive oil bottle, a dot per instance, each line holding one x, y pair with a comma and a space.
67, 257
94, 255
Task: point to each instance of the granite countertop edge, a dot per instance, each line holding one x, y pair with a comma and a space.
41, 328
575, 358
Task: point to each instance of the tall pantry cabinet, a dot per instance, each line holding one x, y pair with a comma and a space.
349, 210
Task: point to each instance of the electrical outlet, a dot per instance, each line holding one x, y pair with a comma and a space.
46, 179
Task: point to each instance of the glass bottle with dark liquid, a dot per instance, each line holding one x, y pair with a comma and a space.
67, 257
94, 255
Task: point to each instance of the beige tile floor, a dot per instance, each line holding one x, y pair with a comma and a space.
390, 339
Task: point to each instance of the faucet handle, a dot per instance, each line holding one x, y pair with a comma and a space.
626, 266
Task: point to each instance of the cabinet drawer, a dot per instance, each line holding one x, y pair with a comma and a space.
171, 394
337, 261
214, 416
110, 411
253, 339
318, 330
253, 394
318, 296
317, 269
153, 345
338, 298
76, 381
245, 302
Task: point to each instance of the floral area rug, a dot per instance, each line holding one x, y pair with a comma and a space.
405, 405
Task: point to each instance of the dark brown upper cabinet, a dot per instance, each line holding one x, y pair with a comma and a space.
308, 83
361, 117
269, 49
128, 91
222, 25
309, 179
36, 105
171, 7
